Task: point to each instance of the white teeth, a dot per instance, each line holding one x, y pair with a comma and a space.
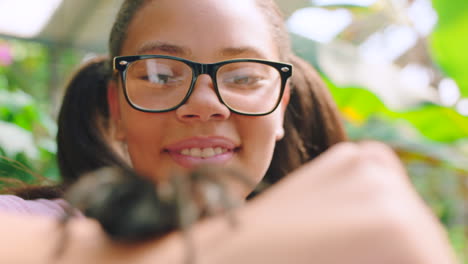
195, 152
207, 152
218, 150
185, 152
203, 152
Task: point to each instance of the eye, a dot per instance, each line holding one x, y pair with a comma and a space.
159, 78
245, 75
158, 71
243, 79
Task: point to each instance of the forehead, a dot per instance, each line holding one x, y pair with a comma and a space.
201, 30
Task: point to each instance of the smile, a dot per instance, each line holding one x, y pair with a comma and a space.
197, 151
203, 152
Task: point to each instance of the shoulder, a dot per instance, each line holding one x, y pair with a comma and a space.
44, 207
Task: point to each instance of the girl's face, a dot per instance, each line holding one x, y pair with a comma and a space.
205, 31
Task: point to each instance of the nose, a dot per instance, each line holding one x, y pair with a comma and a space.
203, 104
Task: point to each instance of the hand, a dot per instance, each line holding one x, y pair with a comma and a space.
353, 204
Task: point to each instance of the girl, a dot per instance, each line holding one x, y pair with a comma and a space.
207, 81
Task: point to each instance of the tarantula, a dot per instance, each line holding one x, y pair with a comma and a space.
131, 208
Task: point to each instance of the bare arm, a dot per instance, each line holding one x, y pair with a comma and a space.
352, 205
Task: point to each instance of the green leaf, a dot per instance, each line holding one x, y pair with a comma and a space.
437, 123
449, 42
434, 122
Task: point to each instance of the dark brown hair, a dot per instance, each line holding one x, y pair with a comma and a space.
312, 122
83, 123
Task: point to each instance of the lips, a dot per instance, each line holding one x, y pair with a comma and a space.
197, 151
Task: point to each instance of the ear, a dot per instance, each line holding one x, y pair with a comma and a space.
118, 132
279, 134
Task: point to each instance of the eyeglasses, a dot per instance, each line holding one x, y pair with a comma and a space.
159, 83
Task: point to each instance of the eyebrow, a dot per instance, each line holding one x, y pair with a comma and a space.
177, 50
237, 51
164, 47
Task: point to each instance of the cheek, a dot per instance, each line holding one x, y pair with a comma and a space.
139, 127
144, 136
259, 139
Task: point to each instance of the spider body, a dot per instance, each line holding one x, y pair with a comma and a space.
131, 208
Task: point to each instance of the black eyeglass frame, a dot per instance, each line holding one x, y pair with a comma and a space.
121, 64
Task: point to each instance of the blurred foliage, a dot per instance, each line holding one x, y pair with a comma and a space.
450, 40
435, 122
27, 127
26, 138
